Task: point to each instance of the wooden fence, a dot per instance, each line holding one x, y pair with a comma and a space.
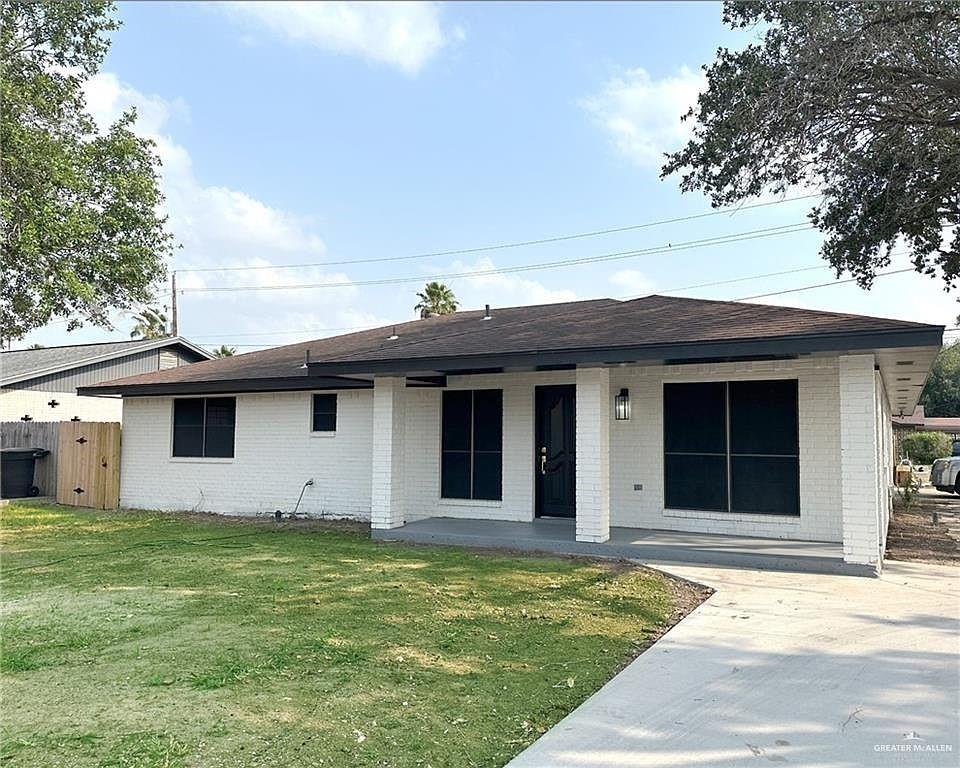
35, 434
83, 468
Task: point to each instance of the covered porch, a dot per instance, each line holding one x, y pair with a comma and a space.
650, 546
554, 444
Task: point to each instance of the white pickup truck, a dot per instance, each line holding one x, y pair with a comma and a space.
945, 473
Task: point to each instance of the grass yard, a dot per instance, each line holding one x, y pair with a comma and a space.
136, 639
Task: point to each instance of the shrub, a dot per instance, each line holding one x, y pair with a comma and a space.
925, 447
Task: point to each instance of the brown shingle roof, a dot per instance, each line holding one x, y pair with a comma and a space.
581, 325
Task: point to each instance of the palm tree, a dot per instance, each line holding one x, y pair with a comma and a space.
225, 351
151, 324
436, 299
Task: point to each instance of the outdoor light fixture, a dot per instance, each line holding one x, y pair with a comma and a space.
622, 405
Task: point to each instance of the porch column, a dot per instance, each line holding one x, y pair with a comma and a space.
859, 460
593, 454
386, 507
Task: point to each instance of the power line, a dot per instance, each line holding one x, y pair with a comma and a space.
784, 229
753, 277
292, 330
67, 320
630, 296
728, 281
229, 335
822, 285
504, 246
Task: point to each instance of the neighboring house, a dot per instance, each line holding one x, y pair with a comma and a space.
663, 413
41, 384
918, 421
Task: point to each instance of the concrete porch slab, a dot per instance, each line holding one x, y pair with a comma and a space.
645, 545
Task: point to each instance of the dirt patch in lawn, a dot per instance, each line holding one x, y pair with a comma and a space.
687, 595
929, 531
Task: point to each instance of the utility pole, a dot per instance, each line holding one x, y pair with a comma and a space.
173, 311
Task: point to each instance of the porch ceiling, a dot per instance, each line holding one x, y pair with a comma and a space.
904, 372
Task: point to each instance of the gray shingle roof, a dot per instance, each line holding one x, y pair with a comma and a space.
21, 364
601, 324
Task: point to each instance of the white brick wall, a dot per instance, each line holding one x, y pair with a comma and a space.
394, 469
861, 449
15, 403
886, 462
637, 451
275, 454
422, 465
387, 463
594, 404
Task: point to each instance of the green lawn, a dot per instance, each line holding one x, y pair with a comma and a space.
139, 639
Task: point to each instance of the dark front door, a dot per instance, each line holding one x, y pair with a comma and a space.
555, 451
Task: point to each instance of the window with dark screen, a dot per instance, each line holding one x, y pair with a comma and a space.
204, 426
471, 444
732, 447
324, 413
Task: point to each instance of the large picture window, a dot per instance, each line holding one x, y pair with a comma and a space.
732, 447
471, 444
204, 426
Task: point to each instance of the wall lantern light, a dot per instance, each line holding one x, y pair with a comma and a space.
622, 405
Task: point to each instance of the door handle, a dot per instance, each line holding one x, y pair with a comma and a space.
543, 461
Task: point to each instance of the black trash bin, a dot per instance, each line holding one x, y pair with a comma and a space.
16, 472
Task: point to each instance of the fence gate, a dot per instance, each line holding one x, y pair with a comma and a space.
88, 464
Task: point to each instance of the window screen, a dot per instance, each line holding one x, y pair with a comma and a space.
764, 450
695, 442
204, 426
471, 450
324, 413
188, 427
218, 430
732, 447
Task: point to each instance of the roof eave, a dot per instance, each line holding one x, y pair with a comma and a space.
785, 345
227, 386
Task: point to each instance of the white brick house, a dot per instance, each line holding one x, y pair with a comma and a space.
660, 413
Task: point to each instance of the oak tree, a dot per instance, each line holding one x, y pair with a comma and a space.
859, 100
82, 234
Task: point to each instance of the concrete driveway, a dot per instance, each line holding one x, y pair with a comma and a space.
790, 669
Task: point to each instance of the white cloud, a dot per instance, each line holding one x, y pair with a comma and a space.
503, 290
402, 35
214, 223
107, 98
632, 282
218, 226
642, 115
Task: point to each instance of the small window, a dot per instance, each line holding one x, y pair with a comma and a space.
204, 427
471, 445
324, 413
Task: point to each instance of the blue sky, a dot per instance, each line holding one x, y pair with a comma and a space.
307, 133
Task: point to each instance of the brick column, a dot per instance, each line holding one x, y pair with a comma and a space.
859, 460
593, 454
386, 509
